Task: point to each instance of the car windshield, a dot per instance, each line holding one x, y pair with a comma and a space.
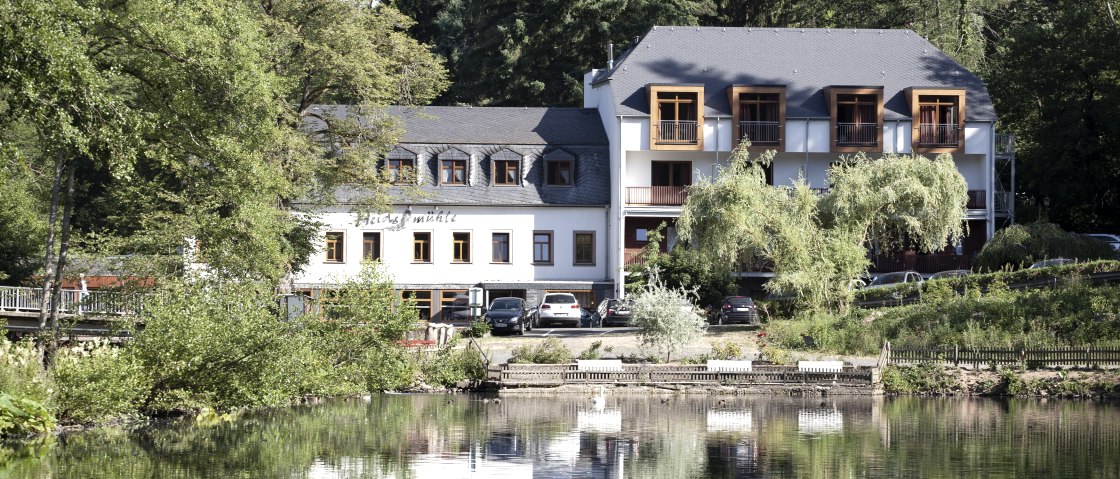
889, 278
506, 305
738, 301
559, 299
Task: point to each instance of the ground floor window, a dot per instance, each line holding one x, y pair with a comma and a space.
454, 305
423, 300
584, 248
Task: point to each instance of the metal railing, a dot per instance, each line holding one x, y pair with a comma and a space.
940, 134
857, 134
1005, 143
30, 300
760, 132
656, 195
977, 200
676, 132
922, 263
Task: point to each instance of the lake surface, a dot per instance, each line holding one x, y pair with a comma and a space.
440, 436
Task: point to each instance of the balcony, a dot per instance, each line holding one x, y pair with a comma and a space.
977, 200
676, 132
633, 257
938, 136
857, 134
922, 263
656, 195
1003, 201
760, 132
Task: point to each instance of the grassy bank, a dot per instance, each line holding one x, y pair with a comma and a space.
933, 379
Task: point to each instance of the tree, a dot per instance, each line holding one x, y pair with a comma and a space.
1067, 139
817, 245
662, 320
1020, 245
682, 268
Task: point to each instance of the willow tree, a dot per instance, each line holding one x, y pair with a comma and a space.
817, 244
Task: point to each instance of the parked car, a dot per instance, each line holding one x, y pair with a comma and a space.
891, 279
1046, 263
615, 312
589, 318
559, 308
1112, 240
508, 315
953, 273
737, 309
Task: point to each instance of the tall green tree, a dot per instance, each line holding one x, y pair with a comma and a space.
817, 245
1055, 79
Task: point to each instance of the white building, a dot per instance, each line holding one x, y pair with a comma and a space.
521, 201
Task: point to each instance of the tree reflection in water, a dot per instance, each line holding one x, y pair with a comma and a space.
633, 436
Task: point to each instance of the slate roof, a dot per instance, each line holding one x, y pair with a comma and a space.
804, 60
532, 136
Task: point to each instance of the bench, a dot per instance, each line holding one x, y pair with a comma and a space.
820, 366
727, 366
599, 365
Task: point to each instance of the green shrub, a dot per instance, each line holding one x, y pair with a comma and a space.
21, 371
1020, 245
924, 378
452, 365
95, 382
549, 351
592, 352
21, 417
726, 350
478, 328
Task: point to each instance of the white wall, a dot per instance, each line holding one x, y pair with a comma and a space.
480, 222
817, 140
638, 167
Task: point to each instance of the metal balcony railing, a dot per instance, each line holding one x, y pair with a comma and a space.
943, 135
857, 134
656, 195
676, 132
1005, 143
977, 200
1003, 201
760, 132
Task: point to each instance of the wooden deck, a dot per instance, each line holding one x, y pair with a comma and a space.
544, 375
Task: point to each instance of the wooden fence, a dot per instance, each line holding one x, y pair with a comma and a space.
514, 375
991, 357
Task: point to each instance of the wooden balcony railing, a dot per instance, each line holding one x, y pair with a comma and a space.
760, 132
656, 195
938, 135
676, 132
633, 257
857, 134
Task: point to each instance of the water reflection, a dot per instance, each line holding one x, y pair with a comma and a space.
560, 436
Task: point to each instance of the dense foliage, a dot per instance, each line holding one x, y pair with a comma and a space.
816, 244
549, 351
666, 317
1019, 246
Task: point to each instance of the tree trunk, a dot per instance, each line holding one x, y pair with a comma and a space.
63, 248
48, 260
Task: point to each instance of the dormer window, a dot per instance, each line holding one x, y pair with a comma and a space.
400, 166
453, 167
559, 168
857, 118
676, 117
937, 119
506, 168
759, 112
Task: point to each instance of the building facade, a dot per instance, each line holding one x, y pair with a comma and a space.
523, 201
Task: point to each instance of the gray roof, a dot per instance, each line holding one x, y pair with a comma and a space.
804, 60
532, 136
493, 125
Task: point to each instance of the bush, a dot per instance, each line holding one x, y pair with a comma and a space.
661, 321
478, 328
927, 377
726, 350
595, 351
451, 365
1020, 245
21, 417
550, 351
21, 371
96, 382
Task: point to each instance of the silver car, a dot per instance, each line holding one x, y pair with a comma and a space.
891, 279
559, 308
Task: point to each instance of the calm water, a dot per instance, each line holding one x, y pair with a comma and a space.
461, 436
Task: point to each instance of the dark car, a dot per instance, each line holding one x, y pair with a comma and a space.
615, 312
508, 315
737, 309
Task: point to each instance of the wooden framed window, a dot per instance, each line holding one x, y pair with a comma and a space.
422, 247
856, 118
461, 247
559, 173
937, 120
371, 246
507, 172
584, 254
422, 299
542, 247
759, 115
454, 305
676, 117
453, 172
401, 171
335, 247
499, 247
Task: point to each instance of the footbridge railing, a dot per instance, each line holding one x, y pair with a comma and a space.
25, 300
